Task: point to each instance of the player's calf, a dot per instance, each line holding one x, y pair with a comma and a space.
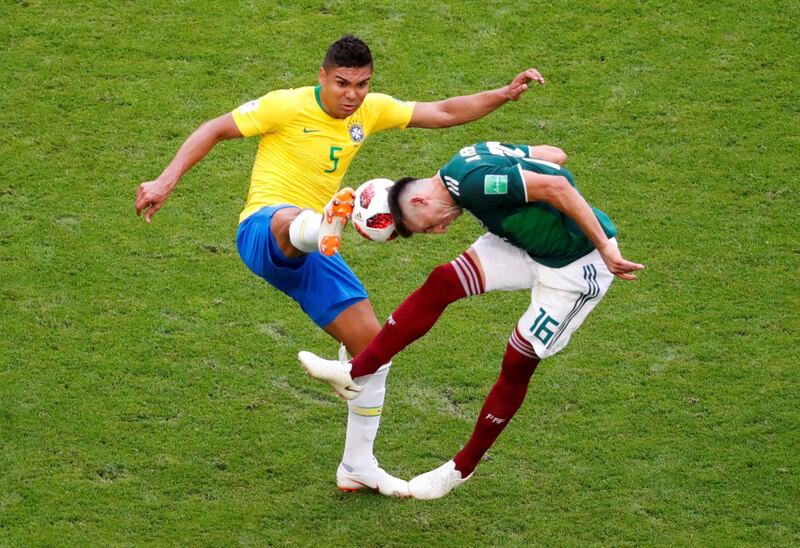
504, 399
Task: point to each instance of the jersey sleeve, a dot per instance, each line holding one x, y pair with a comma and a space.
387, 112
265, 114
493, 187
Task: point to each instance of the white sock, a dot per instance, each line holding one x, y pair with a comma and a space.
363, 419
303, 230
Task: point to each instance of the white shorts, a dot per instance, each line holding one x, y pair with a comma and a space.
561, 298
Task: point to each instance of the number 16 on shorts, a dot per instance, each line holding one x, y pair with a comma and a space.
543, 327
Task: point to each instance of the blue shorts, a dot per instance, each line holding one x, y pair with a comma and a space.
322, 286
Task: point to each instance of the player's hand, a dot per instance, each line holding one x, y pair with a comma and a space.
150, 196
618, 265
519, 85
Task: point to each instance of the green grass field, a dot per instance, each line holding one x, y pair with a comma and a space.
149, 390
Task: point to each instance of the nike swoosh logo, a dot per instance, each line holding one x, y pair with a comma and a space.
306, 130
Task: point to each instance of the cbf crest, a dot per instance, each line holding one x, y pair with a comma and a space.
356, 132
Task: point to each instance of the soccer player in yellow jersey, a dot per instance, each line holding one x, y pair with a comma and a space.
308, 137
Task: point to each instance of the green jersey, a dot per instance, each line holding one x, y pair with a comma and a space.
486, 179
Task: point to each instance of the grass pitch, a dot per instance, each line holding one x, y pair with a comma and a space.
149, 392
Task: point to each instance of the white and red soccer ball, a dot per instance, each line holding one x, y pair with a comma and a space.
371, 215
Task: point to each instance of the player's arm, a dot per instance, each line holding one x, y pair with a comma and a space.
460, 110
557, 191
150, 196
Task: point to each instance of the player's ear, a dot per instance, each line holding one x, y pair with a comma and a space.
322, 75
418, 200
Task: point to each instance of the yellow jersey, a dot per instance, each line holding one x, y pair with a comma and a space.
304, 153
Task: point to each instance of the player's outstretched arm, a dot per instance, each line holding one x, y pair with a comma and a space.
151, 195
460, 110
557, 191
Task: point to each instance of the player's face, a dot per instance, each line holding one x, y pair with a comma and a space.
343, 89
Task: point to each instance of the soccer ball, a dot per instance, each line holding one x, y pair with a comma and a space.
371, 215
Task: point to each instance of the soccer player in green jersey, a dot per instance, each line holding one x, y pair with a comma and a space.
542, 235
307, 138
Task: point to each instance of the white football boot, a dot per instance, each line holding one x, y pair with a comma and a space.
373, 478
436, 483
334, 218
334, 372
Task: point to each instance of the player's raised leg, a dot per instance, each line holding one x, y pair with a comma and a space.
412, 319
447, 283
308, 231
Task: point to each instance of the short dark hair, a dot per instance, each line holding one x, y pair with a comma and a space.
394, 205
348, 51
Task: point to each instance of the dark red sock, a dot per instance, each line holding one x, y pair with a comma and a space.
506, 396
415, 317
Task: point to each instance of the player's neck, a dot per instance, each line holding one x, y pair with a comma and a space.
439, 190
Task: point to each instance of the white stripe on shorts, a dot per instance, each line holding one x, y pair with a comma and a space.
590, 275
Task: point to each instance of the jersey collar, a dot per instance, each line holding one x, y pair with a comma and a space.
456, 197
317, 90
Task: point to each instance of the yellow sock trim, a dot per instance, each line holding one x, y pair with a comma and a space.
367, 411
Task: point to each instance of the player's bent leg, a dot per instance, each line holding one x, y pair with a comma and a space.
354, 327
446, 284
305, 231
549, 153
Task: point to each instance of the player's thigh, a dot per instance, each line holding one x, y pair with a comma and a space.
257, 244
329, 288
504, 267
324, 287
355, 326
561, 300
280, 231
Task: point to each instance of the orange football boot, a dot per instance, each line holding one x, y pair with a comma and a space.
334, 218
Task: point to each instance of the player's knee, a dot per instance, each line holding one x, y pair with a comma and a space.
440, 277
520, 359
443, 284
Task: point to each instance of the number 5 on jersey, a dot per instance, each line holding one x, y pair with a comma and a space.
334, 159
